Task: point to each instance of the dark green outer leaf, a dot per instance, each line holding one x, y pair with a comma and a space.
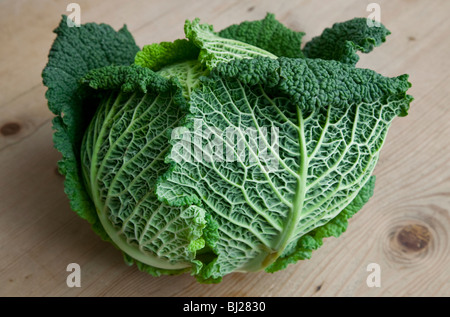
343, 40
75, 51
268, 34
310, 84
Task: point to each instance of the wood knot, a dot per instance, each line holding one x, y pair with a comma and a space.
409, 242
10, 129
413, 237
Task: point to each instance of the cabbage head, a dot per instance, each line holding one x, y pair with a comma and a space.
230, 151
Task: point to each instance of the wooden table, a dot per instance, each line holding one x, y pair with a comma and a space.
404, 228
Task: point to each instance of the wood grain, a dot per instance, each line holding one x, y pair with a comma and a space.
404, 228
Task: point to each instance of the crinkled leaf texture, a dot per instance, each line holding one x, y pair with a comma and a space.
268, 34
215, 49
330, 119
343, 40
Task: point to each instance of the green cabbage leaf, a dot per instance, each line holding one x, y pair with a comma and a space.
290, 163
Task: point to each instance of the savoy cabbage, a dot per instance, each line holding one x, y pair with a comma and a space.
230, 151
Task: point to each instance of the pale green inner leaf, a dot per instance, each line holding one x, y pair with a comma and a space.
123, 155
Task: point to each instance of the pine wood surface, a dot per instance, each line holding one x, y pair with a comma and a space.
404, 228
